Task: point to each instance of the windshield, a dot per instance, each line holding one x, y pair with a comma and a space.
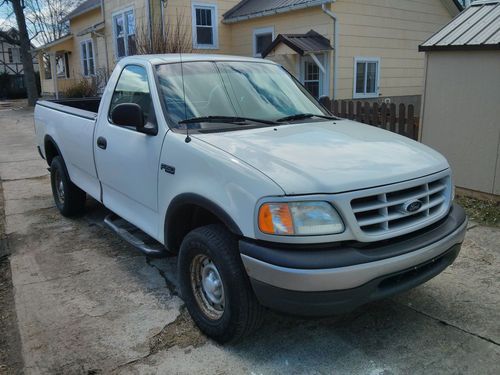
251, 90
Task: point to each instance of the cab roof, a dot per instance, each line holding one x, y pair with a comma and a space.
188, 57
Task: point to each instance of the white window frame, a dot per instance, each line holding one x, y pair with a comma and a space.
363, 59
121, 13
65, 61
82, 61
260, 31
215, 26
324, 77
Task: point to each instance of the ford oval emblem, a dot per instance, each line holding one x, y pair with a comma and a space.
412, 206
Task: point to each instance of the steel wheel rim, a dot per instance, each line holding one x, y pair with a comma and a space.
207, 287
59, 186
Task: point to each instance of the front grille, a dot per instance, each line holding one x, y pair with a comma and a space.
383, 213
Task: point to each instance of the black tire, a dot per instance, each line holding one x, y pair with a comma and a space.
242, 313
72, 200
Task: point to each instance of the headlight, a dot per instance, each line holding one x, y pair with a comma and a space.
299, 219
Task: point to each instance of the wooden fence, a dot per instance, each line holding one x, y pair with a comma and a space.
398, 119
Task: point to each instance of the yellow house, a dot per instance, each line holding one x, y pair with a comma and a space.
344, 49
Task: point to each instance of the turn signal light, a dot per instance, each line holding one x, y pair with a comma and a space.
275, 218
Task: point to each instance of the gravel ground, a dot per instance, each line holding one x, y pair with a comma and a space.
481, 211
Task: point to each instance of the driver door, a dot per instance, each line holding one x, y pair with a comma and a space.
127, 161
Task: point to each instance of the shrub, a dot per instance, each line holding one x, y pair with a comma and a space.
84, 88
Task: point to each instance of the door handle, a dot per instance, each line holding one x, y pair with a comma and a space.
102, 143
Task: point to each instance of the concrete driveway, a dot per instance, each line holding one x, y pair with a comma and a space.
87, 303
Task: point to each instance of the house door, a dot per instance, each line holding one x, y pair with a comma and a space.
314, 76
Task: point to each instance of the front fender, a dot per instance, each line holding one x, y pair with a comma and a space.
213, 179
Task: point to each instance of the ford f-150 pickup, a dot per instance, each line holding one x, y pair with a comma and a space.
268, 200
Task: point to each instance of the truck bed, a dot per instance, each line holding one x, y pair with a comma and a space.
81, 107
70, 124
87, 104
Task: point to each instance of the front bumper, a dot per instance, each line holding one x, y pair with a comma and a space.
340, 277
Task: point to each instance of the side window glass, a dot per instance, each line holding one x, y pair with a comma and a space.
133, 87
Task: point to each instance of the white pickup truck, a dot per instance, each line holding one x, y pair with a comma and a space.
268, 200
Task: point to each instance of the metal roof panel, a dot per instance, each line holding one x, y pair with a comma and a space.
481, 30
477, 27
452, 25
464, 26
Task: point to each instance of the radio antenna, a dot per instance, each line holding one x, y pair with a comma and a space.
188, 138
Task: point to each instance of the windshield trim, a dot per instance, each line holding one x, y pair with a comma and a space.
175, 127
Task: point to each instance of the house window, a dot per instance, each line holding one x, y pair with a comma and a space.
87, 57
262, 38
124, 33
366, 77
11, 57
205, 26
62, 65
313, 77
47, 66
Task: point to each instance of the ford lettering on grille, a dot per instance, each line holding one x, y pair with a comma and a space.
411, 206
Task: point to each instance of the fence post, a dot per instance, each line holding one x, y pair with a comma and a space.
366, 115
383, 116
410, 122
392, 117
401, 118
375, 115
342, 109
351, 110
359, 112
326, 102
335, 107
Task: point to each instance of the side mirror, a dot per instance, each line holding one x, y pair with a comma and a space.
130, 114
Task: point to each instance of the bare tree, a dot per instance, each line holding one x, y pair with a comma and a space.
156, 37
26, 56
46, 19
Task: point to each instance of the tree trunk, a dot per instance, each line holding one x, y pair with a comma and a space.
26, 57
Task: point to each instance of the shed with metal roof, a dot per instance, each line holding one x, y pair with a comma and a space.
461, 111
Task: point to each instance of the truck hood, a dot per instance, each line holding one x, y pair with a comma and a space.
329, 157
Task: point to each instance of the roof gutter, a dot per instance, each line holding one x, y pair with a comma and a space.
334, 17
273, 12
83, 11
55, 42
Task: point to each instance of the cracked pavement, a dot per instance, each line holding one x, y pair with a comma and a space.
88, 303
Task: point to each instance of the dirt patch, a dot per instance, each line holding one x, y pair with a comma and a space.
182, 332
480, 211
10, 342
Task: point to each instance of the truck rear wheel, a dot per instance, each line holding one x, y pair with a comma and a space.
215, 287
69, 198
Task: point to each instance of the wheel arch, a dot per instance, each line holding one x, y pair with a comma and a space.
188, 211
51, 149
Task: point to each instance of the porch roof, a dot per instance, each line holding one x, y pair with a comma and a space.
310, 42
55, 42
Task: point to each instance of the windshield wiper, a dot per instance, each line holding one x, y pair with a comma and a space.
302, 116
225, 119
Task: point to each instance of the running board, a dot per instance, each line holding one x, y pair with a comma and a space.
134, 236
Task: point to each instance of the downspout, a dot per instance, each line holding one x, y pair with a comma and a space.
105, 40
163, 6
335, 45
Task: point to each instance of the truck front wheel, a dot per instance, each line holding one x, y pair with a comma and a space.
214, 285
69, 198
